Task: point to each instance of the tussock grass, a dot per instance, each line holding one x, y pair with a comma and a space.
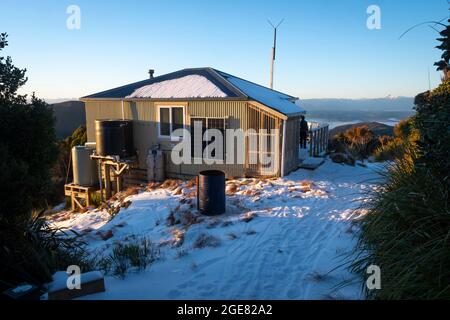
407, 230
206, 240
407, 234
136, 255
32, 251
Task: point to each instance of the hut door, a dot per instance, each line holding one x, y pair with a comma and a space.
262, 143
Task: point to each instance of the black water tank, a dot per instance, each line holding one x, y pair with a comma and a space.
211, 192
114, 138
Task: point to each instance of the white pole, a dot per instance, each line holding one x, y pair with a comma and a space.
123, 112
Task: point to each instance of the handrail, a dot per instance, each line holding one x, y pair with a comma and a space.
318, 138
314, 126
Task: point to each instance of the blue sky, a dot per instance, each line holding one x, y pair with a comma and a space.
324, 48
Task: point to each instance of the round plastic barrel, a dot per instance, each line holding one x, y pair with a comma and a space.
211, 192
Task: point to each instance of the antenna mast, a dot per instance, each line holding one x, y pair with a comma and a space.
272, 62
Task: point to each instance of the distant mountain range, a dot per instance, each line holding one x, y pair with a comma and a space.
342, 111
69, 116
379, 129
388, 103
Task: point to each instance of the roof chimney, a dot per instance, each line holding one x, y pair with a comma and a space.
151, 72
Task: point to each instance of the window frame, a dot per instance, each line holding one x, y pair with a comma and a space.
170, 107
225, 124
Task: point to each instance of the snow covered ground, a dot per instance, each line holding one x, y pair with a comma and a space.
280, 239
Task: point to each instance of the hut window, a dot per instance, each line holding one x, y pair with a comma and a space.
170, 119
209, 123
177, 118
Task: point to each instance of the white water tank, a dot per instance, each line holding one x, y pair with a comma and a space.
155, 165
84, 168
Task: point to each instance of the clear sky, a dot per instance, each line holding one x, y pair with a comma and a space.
325, 49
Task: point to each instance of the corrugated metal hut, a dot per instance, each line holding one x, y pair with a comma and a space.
218, 100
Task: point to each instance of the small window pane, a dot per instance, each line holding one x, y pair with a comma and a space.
177, 118
218, 124
202, 123
164, 122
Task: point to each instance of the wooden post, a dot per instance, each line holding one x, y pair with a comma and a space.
310, 143
315, 143
318, 142
322, 139
99, 168
88, 198
118, 180
319, 150
107, 181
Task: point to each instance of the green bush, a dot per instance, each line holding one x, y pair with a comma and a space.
405, 138
359, 142
393, 149
432, 120
406, 232
32, 251
29, 251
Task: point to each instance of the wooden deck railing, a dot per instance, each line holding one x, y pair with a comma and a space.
318, 138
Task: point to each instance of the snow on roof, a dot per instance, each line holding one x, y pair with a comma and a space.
203, 83
191, 86
276, 100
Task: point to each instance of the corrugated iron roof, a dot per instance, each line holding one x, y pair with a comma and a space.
202, 83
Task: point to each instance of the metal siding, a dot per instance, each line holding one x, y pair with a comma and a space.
100, 110
145, 127
144, 114
236, 114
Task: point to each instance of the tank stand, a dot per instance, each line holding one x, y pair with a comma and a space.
110, 170
77, 193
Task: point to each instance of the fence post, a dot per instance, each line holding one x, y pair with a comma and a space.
322, 140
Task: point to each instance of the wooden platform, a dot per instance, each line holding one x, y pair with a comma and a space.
76, 193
